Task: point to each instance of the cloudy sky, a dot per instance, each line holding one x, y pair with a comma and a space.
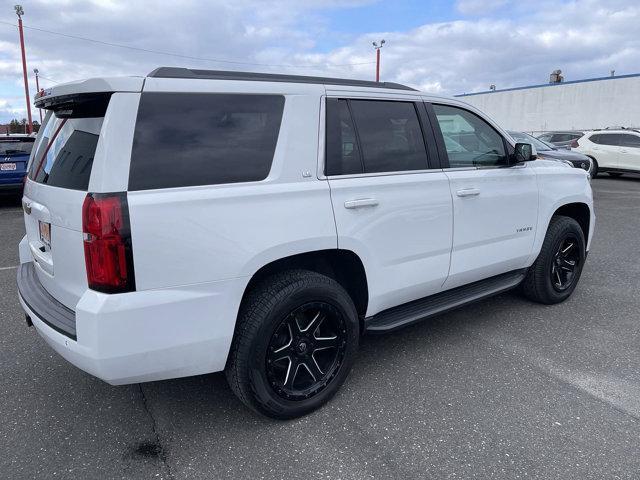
445, 47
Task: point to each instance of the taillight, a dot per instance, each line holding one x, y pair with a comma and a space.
574, 144
107, 242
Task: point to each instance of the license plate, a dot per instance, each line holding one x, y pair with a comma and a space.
7, 166
45, 233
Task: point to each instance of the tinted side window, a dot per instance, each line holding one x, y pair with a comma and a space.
185, 139
469, 140
562, 137
628, 140
605, 139
390, 136
342, 154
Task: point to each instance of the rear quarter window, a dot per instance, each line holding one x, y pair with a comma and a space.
188, 139
64, 155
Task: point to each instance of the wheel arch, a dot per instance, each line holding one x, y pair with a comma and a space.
580, 212
344, 266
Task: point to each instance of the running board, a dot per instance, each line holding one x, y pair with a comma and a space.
408, 313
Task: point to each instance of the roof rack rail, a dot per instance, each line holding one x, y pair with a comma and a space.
177, 72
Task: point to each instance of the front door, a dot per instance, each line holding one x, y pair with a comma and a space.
495, 206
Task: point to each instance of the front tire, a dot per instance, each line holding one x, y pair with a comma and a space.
555, 273
296, 339
594, 168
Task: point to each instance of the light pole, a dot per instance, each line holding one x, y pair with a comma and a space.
377, 48
35, 70
20, 12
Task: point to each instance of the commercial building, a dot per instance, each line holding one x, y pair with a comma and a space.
572, 105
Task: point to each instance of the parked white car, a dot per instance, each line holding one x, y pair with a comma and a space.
197, 221
612, 151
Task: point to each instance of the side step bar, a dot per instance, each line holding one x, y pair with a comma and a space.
412, 312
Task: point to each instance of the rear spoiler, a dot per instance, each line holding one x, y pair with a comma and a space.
59, 97
79, 105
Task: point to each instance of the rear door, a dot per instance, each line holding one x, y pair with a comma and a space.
391, 201
84, 144
495, 207
629, 158
58, 180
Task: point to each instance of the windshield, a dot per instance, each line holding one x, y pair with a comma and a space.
16, 146
539, 144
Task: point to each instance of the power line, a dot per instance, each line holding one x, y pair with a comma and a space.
178, 55
50, 79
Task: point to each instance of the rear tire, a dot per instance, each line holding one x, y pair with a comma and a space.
287, 323
555, 273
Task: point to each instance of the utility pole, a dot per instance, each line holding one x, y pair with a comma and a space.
35, 70
377, 48
20, 12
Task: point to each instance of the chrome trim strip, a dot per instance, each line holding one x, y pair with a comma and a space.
384, 174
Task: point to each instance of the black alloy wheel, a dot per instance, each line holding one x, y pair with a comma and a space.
296, 339
564, 264
306, 350
554, 275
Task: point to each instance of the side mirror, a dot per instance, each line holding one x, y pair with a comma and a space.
524, 152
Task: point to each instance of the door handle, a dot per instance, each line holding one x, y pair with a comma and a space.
468, 192
360, 203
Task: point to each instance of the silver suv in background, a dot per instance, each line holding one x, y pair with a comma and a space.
561, 139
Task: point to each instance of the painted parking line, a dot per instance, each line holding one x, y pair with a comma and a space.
8, 268
614, 192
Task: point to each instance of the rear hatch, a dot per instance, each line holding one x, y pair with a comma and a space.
59, 174
14, 155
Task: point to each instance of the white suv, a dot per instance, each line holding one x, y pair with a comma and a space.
197, 221
612, 151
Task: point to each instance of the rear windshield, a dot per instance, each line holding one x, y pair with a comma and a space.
15, 146
64, 154
186, 139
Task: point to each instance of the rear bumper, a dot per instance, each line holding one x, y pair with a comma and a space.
146, 335
44, 306
15, 186
12, 178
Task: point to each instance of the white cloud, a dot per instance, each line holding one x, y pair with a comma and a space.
479, 7
584, 38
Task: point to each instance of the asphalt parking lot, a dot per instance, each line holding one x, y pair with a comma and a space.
501, 389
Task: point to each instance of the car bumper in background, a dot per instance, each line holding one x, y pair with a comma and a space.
12, 186
583, 164
139, 336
